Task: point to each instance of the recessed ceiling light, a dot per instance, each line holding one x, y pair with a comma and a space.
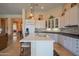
31, 7
42, 7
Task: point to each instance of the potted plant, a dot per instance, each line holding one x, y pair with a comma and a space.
51, 17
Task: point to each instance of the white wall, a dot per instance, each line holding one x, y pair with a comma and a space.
9, 20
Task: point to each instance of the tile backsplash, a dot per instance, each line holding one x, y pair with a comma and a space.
74, 30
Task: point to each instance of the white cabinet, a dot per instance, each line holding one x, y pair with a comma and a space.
61, 22
61, 39
74, 16
75, 46
71, 44
67, 18
68, 43
44, 48
40, 24
52, 23
71, 17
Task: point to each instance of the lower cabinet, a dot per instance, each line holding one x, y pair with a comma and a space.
42, 48
75, 46
71, 44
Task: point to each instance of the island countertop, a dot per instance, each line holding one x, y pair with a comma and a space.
40, 45
34, 37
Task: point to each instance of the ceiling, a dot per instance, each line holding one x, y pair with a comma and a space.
16, 8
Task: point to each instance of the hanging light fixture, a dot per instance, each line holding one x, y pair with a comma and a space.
32, 9
31, 13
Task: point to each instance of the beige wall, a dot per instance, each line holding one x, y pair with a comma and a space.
56, 12
46, 14
36, 15
9, 21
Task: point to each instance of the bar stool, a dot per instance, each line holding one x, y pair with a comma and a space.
24, 49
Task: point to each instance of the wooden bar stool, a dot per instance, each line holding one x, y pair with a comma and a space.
25, 49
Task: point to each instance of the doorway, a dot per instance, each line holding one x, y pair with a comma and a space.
17, 28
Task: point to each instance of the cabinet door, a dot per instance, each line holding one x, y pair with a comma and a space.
56, 23
33, 48
65, 42
44, 48
61, 39
75, 45
67, 18
74, 16
46, 24
52, 22
61, 22
70, 17
40, 24
68, 43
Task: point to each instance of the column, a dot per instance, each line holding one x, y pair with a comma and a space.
23, 22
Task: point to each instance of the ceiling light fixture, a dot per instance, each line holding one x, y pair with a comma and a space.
42, 7
31, 7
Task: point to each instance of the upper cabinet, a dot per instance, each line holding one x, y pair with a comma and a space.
74, 15
52, 23
69, 15
40, 23
61, 22
56, 23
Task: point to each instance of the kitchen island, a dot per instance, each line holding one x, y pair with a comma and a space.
41, 45
68, 40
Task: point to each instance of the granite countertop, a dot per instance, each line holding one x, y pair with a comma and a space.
73, 35
34, 38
